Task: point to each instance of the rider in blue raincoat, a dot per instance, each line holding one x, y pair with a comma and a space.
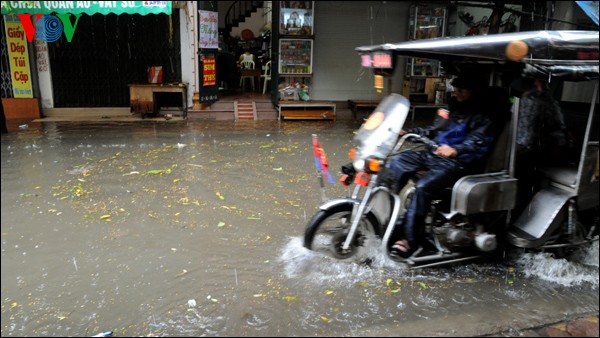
464, 139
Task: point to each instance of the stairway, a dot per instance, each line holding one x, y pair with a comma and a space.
238, 12
245, 111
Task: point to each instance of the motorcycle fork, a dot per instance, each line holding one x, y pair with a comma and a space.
358, 210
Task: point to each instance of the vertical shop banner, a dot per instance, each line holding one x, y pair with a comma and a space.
208, 90
209, 72
18, 57
208, 36
209, 30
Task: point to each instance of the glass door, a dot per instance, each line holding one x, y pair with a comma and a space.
426, 22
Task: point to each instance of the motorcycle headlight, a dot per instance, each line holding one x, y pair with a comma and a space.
359, 165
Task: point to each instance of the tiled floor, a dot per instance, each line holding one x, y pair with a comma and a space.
247, 95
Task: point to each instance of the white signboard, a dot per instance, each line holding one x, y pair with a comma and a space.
209, 29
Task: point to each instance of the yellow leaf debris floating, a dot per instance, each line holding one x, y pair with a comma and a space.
155, 172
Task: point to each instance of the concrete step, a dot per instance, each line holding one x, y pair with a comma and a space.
90, 112
210, 115
222, 106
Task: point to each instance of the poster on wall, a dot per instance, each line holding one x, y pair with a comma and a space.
18, 57
209, 72
209, 30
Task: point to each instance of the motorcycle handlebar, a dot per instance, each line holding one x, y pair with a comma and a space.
416, 138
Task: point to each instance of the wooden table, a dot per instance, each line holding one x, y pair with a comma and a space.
356, 105
306, 110
142, 98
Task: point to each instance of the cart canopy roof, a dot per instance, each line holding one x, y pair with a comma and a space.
571, 55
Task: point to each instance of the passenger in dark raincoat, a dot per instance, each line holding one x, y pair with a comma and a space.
464, 140
541, 130
542, 136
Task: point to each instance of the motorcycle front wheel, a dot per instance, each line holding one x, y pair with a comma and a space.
327, 231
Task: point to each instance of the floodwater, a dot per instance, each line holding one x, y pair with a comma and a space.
194, 228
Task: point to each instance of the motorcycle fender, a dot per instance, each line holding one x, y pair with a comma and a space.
544, 214
338, 201
380, 209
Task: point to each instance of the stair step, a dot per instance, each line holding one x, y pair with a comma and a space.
244, 110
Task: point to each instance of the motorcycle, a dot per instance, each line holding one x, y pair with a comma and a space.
475, 217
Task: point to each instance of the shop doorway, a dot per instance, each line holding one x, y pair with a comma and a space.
109, 52
247, 32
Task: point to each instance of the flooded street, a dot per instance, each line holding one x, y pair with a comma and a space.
194, 228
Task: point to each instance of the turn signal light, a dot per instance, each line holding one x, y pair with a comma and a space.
374, 166
352, 154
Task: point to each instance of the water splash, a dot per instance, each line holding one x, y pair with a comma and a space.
588, 256
301, 262
582, 267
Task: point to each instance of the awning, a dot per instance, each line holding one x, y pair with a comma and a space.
590, 8
87, 7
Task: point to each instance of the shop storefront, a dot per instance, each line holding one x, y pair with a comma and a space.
85, 54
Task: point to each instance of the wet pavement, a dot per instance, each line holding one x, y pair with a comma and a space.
194, 228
